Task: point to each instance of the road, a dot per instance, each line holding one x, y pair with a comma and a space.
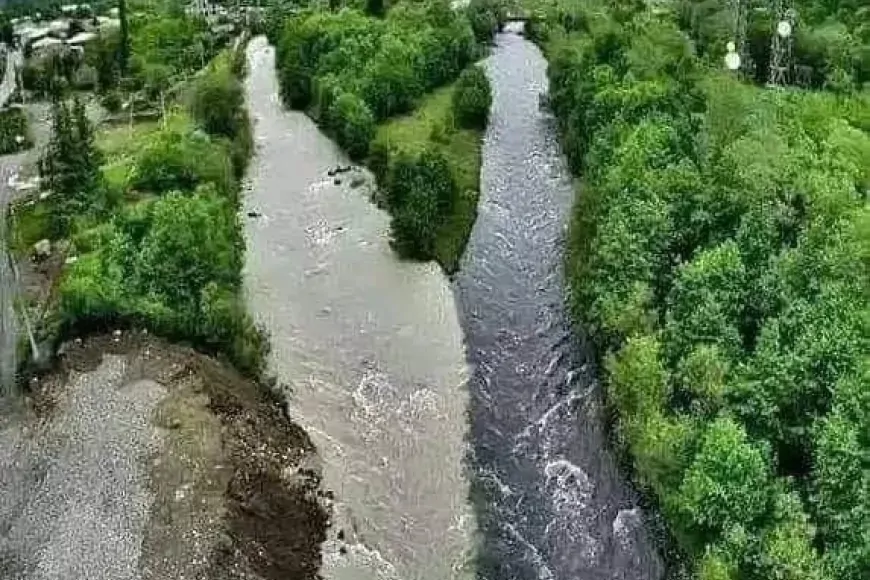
7, 87
8, 331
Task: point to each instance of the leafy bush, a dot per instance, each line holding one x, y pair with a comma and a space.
472, 98
180, 160
112, 102
420, 193
486, 17
354, 71
353, 124
217, 101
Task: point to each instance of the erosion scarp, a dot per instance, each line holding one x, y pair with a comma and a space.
140, 459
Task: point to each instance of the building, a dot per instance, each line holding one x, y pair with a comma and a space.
47, 45
82, 38
204, 9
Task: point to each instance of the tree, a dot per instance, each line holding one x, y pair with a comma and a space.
124, 39
375, 8
472, 98
7, 31
70, 167
190, 243
216, 101
726, 485
158, 79
103, 56
421, 193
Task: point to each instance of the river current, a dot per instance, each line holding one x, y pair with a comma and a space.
549, 501
451, 422
370, 348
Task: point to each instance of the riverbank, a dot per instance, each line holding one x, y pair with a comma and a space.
206, 474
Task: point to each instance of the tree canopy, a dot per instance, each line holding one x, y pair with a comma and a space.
718, 255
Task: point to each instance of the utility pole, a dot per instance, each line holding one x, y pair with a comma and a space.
781, 43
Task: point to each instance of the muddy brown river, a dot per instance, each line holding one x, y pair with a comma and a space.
370, 348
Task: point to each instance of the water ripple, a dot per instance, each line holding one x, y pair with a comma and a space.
550, 503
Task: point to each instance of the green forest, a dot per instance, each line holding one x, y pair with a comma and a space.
149, 209
355, 69
720, 258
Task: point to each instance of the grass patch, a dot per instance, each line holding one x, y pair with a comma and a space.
118, 141
31, 224
430, 125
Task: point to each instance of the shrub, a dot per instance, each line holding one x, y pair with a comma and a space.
112, 102
472, 98
179, 160
14, 130
354, 125
420, 194
217, 100
485, 16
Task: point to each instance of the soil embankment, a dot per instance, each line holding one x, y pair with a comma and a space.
140, 459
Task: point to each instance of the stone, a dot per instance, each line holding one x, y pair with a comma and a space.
42, 249
357, 181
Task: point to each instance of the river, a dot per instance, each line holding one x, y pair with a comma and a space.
376, 355
370, 348
550, 503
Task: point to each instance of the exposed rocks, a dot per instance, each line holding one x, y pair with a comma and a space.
339, 170
41, 250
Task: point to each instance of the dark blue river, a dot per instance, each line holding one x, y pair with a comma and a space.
550, 503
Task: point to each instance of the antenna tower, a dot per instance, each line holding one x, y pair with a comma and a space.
782, 41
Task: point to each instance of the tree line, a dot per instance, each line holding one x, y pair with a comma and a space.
355, 67
719, 259
163, 249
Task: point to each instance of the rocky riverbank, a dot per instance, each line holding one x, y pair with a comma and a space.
136, 458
